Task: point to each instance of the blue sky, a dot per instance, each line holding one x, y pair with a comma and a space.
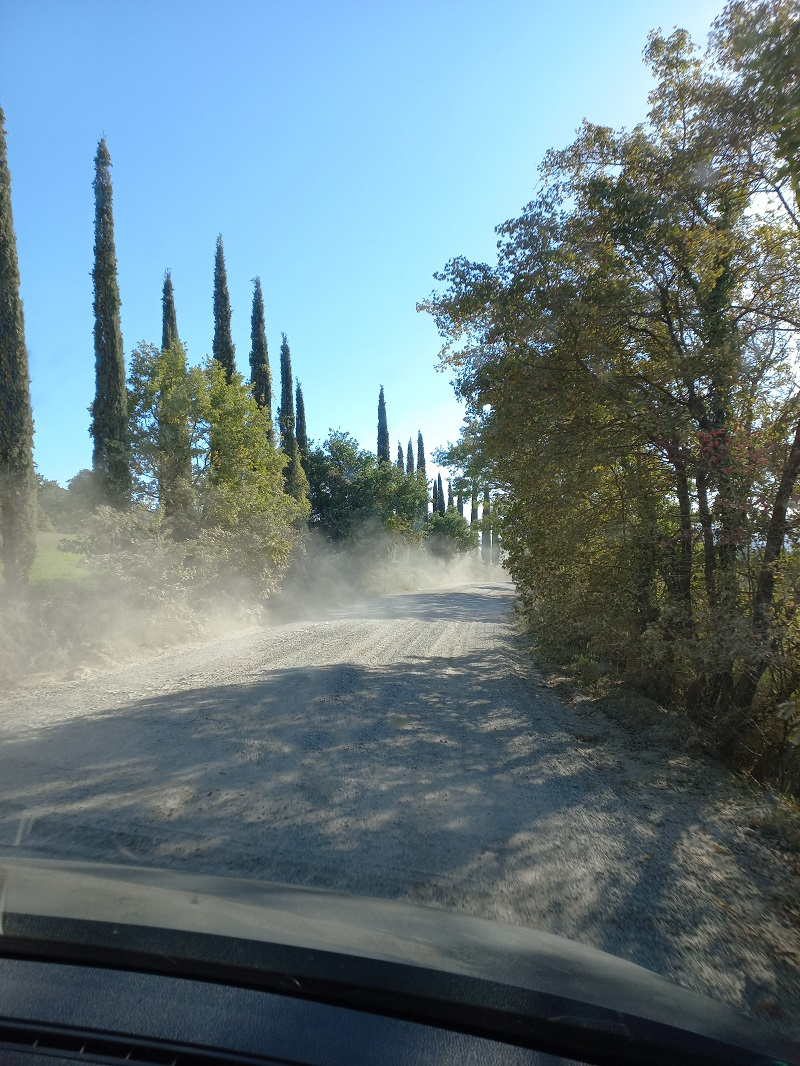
344, 150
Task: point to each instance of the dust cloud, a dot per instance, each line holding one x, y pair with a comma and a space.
155, 596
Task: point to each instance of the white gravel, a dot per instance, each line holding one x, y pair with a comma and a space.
402, 748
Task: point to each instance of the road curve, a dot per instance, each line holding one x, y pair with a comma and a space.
401, 748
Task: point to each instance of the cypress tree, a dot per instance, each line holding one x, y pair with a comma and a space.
409, 458
17, 474
401, 463
461, 500
169, 320
473, 510
293, 473
175, 452
286, 420
110, 457
301, 434
260, 374
223, 348
441, 502
420, 452
449, 494
434, 505
486, 537
383, 430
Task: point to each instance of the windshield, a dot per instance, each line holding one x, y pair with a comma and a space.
399, 457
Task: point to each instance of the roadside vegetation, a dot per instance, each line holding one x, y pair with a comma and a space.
200, 503
630, 369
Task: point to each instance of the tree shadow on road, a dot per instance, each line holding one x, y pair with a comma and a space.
441, 780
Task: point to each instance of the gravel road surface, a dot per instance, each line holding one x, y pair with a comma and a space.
402, 748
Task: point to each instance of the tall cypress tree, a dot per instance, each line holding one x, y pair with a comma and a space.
409, 458
473, 510
109, 429
169, 320
17, 475
420, 452
486, 537
460, 503
293, 473
383, 430
301, 434
175, 451
441, 505
401, 463
434, 504
286, 420
449, 493
223, 348
260, 374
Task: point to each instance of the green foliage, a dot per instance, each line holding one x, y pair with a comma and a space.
409, 458
294, 475
383, 430
401, 463
169, 318
628, 366
758, 97
353, 494
160, 398
449, 534
302, 432
420, 454
286, 418
18, 513
223, 347
260, 374
109, 428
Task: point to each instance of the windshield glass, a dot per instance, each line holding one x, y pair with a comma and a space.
516, 639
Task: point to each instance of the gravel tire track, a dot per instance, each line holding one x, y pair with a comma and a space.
403, 748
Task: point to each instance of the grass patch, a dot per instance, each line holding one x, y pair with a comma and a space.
52, 564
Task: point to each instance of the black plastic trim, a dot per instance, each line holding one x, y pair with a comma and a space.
471, 1005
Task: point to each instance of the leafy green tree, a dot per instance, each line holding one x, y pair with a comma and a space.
169, 318
51, 499
383, 430
223, 346
302, 433
473, 510
757, 98
626, 384
401, 463
409, 458
449, 534
353, 493
109, 428
260, 374
434, 504
159, 401
420, 453
18, 512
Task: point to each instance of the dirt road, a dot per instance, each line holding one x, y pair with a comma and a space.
400, 748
